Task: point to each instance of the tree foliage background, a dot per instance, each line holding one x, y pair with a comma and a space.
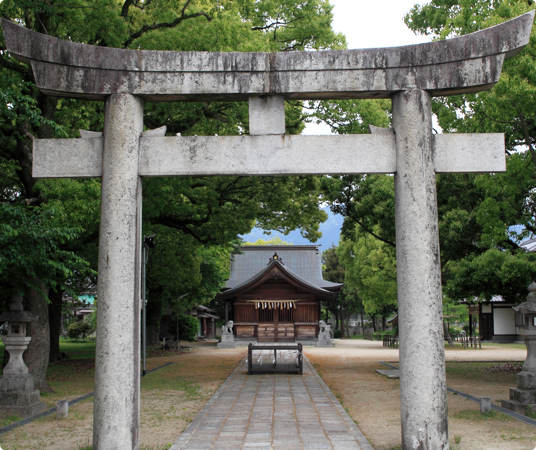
483, 218
196, 220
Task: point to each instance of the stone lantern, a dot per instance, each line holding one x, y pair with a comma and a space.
17, 393
524, 396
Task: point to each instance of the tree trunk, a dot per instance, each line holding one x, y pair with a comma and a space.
446, 333
383, 323
363, 322
153, 337
470, 325
55, 318
373, 323
36, 357
341, 311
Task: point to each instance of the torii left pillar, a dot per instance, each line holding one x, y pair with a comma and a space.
117, 360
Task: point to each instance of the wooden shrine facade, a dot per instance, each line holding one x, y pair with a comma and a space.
275, 293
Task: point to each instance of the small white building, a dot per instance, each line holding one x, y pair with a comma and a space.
497, 321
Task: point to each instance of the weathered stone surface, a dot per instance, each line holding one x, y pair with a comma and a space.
465, 64
485, 405
389, 373
266, 115
422, 355
269, 155
160, 131
23, 406
469, 153
227, 341
16, 345
117, 361
266, 155
324, 340
517, 407
20, 398
530, 342
523, 395
16, 316
65, 158
85, 134
526, 380
16, 383
62, 411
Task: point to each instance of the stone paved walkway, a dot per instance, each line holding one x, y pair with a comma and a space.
272, 412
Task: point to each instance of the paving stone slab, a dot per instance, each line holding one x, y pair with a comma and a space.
391, 374
273, 412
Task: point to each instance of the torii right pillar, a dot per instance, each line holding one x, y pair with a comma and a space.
422, 355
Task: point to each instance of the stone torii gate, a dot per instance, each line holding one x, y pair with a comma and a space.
409, 75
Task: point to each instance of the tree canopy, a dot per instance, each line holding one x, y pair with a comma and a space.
482, 218
197, 220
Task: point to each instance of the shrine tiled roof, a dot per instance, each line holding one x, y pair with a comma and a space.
305, 261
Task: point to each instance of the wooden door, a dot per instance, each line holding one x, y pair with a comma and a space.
266, 330
486, 326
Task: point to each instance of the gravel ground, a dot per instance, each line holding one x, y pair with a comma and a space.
372, 400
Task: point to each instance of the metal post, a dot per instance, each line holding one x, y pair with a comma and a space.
144, 311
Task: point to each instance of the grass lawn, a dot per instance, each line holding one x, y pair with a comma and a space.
170, 397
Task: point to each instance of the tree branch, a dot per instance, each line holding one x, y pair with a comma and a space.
156, 26
368, 230
10, 64
528, 140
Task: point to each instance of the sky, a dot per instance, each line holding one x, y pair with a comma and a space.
366, 24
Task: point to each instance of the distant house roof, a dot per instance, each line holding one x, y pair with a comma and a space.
529, 245
300, 262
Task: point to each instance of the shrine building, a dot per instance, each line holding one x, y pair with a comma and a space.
275, 293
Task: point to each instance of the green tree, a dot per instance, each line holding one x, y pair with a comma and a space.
273, 241
348, 301
484, 217
79, 330
370, 266
188, 327
196, 212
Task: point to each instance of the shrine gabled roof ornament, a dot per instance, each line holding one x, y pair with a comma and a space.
464, 64
276, 258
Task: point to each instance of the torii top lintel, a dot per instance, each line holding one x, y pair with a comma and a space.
469, 63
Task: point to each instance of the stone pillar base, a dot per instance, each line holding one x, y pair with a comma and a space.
22, 411
520, 408
227, 341
523, 398
18, 396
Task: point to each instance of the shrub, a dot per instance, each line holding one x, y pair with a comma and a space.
78, 330
188, 327
337, 334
